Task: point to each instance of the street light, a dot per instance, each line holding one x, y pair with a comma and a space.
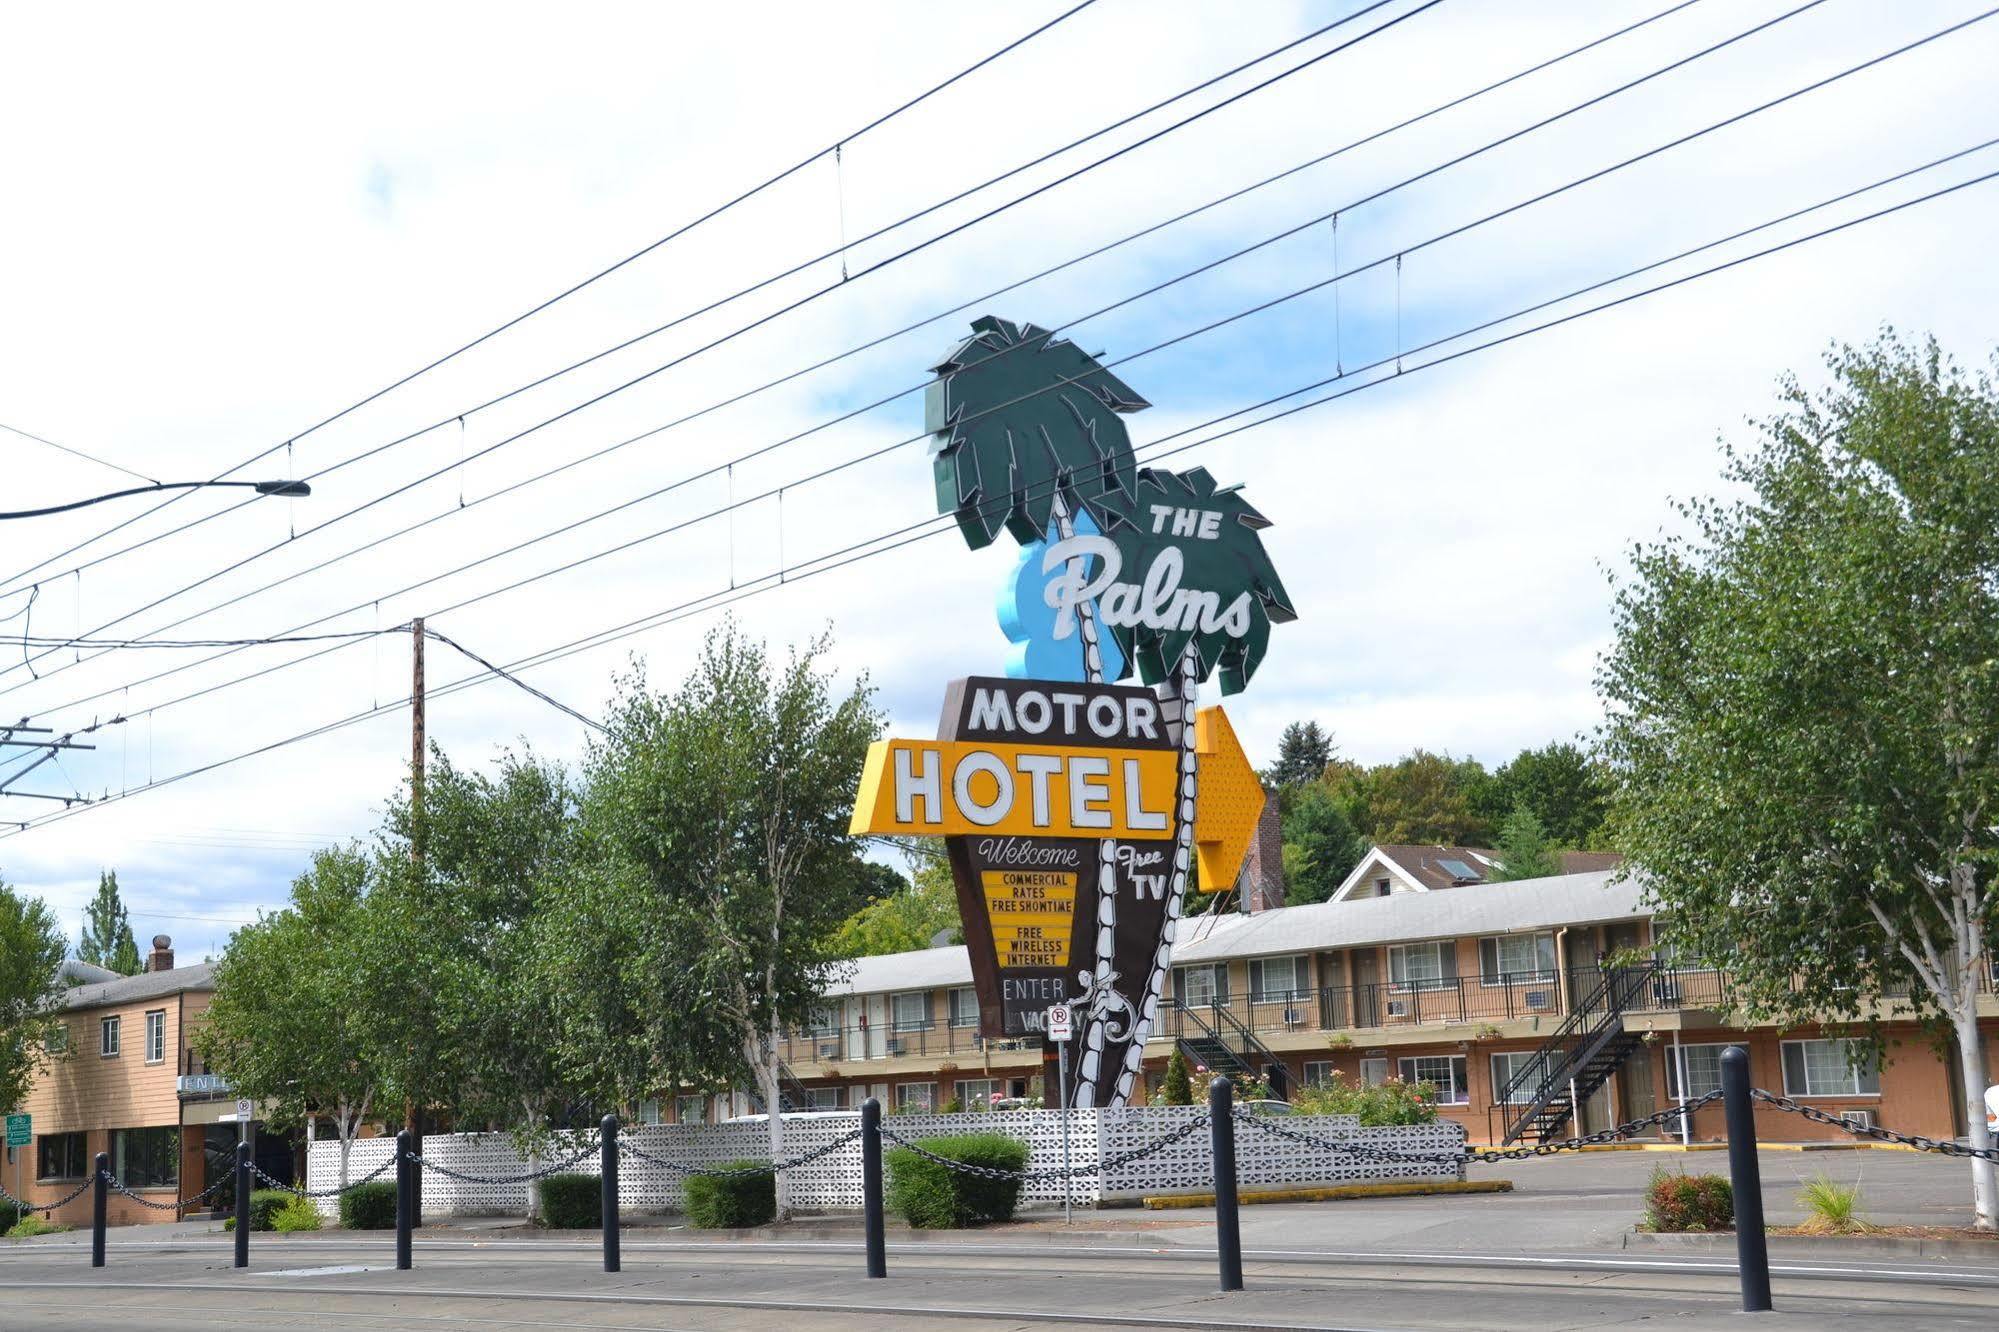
292, 489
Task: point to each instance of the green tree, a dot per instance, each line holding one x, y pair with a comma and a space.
1177, 1088
1303, 751
1321, 846
905, 920
31, 990
718, 811
1420, 798
1524, 850
1803, 704
287, 1024
106, 940
1565, 788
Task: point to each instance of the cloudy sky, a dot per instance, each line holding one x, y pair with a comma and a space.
225, 225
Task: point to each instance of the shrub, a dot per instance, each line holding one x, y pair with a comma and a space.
572, 1202
264, 1205
298, 1214
1177, 1089
1831, 1208
929, 1195
731, 1202
370, 1206
31, 1225
1392, 1102
11, 1216
1675, 1201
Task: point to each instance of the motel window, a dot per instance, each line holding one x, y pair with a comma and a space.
975, 1092
1527, 1065
1382, 887
61, 1156
691, 1109
1516, 959
917, 1098
1703, 1065
1444, 1072
156, 1036
1202, 987
1318, 1073
825, 1020
826, 1098
1829, 1068
648, 1113
1424, 966
911, 1011
146, 1158
107, 1037
964, 1007
1373, 1072
1277, 978
58, 1042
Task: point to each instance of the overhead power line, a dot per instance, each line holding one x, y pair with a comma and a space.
719, 467
882, 450
78, 453
940, 524
781, 311
571, 290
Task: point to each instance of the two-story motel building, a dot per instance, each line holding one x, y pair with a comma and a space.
1498, 993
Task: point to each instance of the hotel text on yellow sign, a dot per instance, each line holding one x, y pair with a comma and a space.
951, 788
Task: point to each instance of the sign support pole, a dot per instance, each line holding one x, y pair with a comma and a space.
1062, 1078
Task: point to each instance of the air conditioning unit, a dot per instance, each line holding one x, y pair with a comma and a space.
1858, 1118
1293, 1016
829, 1049
897, 1047
1398, 1008
1540, 1000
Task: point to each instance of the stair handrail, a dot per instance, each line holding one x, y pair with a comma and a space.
1248, 1037
1187, 1010
1600, 1011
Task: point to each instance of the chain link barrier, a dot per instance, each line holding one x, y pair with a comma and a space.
178, 1205
50, 1208
1941, 1146
333, 1192
723, 1172
1051, 1172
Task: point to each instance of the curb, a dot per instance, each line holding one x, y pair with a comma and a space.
1761, 1147
1823, 1247
1335, 1193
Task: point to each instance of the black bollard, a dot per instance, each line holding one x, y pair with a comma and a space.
242, 1204
1745, 1180
1228, 1229
100, 1207
871, 1187
405, 1199
608, 1169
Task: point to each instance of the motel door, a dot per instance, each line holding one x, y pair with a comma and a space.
1366, 986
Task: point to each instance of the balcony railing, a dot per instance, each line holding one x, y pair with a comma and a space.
891, 1040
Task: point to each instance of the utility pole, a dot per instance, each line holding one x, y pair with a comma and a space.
411, 1119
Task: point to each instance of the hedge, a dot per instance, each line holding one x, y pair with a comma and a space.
370, 1206
929, 1195
265, 1204
731, 1202
572, 1202
1675, 1201
298, 1214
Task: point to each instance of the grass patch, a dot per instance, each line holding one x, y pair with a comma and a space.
1831, 1208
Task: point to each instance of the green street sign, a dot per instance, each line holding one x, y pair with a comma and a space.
20, 1130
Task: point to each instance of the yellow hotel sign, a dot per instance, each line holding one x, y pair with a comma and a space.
957, 788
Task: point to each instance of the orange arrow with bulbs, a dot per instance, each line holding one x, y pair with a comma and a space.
1228, 800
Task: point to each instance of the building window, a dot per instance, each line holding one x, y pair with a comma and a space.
1516, 959
1318, 1073
825, 1021
146, 1158
974, 1092
1373, 1072
61, 1156
964, 1007
156, 1036
107, 1037
691, 1109
1445, 1072
1528, 1066
825, 1098
1424, 966
1382, 887
1703, 1065
916, 1097
1277, 978
1202, 987
648, 1113
1826, 1068
58, 1043
910, 1012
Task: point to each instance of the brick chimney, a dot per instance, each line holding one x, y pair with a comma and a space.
162, 956
1261, 886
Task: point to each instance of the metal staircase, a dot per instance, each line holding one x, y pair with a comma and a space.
791, 1093
1579, 1058
1225, 1045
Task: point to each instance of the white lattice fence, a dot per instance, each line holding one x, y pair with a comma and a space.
833, 1181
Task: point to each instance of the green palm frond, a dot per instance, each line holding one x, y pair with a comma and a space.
1017, 414
1216, 571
